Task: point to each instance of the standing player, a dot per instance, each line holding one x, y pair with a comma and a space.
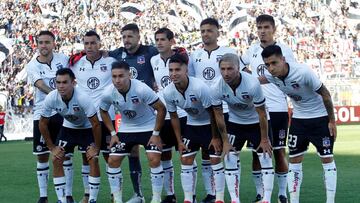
41, 72
164, 39
247, 122
312, 121
2, 123
275, 102
81, 127
139, 125
204, 65
193, 96
138, 57
93, 75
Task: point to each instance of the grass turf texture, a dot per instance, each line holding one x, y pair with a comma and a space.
18, 181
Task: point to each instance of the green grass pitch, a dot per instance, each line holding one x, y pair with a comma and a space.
18, 174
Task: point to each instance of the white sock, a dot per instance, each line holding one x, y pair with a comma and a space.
157, 181
187, 181
257, 179
232, 175
267, 172
59, 183
115, 180
330, 178
294, 180
168, 177
219, 180
69, 174
208, 177
85, 171
42, 171
94, 184
282, 182
195, 173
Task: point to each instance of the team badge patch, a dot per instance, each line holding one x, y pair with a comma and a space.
59, 66
103, 67
218, 57
141, 59
39, 148
193, 98
295, 86
135, 100
326, 142
282, 134
245, 96
76, 108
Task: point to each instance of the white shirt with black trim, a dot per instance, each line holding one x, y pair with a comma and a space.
301, 84
137, 115
93, 78
76, 112
46, 72
195, 100
162, 79
242, 101
205, 65
275, 99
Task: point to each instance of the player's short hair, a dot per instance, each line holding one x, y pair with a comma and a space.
265, 18
179, 58
92, 33
271, 50
210, 21
120, 65
230, 57
46, 32
169, 34
66, 71
132, 26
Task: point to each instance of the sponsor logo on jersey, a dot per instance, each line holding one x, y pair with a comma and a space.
192, 111
93, 83
209, 73
326, 142
58, 109
129, 113
198, 60
71, 118
103, 67
295, 97
52, 83
226, 96
134, 73
175, 101
141, 59
260, 70
241, 106
165, 81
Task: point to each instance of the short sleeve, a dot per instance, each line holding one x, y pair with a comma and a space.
258, 97
47, 105
106, 100
148, 95
215, 95
170, 103
33, 73
311, 79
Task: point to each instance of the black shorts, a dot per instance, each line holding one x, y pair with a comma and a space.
128, 140
70, 137
168, 136
39, 145
196, 137
314, 130
250, 145
279, 125
105, 138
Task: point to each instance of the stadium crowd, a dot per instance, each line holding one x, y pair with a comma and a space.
309, 32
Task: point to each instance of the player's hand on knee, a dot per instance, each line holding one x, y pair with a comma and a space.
216, 143
332, 129
58, 152
114, 140
155, 140
266, 147
91, 152
227, 148
182, 148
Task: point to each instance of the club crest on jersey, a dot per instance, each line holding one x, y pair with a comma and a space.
52, 83
193, 98
93, 83
245, 96
141, 59
135, 100
59, 66
165, 81
295, 85
129, 113
209, 73
103, 67
76, 107
261, 69
326, 142
218, 57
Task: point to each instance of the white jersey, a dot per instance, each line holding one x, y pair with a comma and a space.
242, 101
46, 72
76, 112
275, 99
301, 85
137, 115
162, 79
92, 79
195, 100
205, 65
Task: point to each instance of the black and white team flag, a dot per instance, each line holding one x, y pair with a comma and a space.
193, 8
175, 21
5, 47
239, 20
131, 10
